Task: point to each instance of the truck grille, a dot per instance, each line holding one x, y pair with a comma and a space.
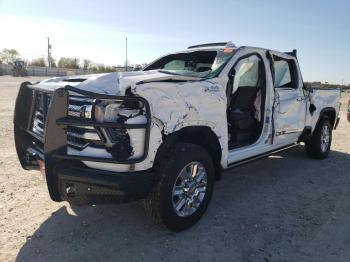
41, 103
81, 137
80, 108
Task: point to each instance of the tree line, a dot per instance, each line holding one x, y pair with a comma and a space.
9, 56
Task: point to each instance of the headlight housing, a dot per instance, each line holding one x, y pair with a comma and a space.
81, 107
117, 112
117, 140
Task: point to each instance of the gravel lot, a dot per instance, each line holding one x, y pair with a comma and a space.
283, 208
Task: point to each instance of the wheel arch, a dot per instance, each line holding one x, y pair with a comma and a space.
202, 136
330, 113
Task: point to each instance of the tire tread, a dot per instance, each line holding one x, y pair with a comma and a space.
312, 146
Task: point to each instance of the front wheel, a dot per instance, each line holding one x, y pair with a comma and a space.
320, 143
184, 189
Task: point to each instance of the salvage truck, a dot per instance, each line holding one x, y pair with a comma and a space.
165, 134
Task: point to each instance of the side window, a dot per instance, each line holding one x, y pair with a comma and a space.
247, 72
175, 65
284, 73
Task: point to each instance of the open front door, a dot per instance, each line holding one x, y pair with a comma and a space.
289, 104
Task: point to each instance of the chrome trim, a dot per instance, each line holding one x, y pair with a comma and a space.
87, 135
78, 145
285, 132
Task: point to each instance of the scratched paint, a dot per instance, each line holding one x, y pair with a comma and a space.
175, 105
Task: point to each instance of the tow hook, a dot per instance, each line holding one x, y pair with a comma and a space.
70, 190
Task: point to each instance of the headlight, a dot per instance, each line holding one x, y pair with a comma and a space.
81, 107
87, 112
115, 112
118, 141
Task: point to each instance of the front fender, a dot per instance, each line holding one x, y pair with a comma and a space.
191, 103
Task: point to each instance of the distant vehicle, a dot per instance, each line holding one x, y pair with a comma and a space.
19, 68
167, 132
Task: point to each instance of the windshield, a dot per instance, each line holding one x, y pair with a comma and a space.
203, 64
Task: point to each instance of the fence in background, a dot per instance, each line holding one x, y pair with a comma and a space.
54, 71
5, 69
44, 71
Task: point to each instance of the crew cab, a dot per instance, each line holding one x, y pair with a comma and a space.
166, 133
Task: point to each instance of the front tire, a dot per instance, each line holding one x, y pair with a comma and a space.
320, 143
184, 189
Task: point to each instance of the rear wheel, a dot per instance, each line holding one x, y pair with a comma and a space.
320, 143
184, 189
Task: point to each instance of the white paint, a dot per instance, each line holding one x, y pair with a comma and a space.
198, 103
175, 105
322, 99
154, 142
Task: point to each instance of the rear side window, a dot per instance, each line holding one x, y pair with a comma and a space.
284, 73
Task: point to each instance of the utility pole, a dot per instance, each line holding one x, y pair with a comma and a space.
126, 54
48, 52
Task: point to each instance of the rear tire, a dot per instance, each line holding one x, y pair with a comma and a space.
184, 189
319, 144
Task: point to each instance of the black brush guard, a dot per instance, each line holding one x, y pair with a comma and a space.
67, 178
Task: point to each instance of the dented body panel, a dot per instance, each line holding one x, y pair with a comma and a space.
180, 105
322, 99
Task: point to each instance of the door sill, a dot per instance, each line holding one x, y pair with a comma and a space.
257, 157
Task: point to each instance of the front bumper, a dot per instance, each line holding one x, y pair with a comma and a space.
88, 186
67, 177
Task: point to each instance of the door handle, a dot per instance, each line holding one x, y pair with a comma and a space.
300, 98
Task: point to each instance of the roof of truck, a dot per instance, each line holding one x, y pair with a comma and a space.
218, 45
229, 44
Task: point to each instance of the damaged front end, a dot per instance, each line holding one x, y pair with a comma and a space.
67, 129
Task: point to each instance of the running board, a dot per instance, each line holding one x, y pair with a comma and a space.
250, 159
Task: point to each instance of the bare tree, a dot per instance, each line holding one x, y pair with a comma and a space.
101, 68
9, 56
38, 62
86, 64
53, 62
137, 67
66, 62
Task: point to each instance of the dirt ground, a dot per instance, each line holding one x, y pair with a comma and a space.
283, 208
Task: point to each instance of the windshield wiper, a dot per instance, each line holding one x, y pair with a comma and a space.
168, 72
173, 73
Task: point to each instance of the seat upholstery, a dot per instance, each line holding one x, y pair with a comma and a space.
244, 98
241, 110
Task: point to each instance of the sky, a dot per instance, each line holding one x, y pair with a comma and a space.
319, 30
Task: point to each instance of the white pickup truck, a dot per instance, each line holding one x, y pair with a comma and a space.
165, 134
